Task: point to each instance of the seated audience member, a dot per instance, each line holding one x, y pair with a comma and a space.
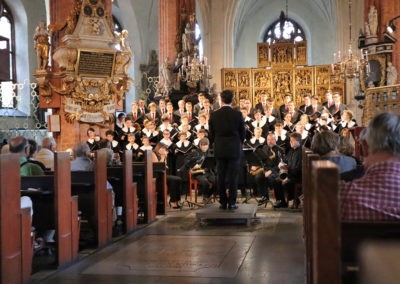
32, 151
326, 144
375, 196
290, 174
5, 149
20, 145
82, 162
46, 152
174, 183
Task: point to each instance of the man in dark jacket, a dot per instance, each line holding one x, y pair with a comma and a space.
290, 172
226, 127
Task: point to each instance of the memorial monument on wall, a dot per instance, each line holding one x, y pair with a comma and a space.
88, 77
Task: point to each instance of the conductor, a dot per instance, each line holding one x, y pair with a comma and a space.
226, 129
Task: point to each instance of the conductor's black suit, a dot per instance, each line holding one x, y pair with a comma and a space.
227, 131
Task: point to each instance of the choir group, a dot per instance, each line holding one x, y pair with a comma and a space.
268, 145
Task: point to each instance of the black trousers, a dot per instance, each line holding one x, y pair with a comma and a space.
228, 175
174, 186
206, 183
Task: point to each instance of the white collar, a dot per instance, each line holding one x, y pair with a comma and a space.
261, 140
166, 142
130, 146
185, 144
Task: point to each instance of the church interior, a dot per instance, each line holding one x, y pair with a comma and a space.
104, 124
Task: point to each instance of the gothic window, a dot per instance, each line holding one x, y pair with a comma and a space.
199, 41
7, 57
284, 29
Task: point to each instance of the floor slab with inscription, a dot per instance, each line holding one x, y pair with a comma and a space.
179, 249
244, 212
195, 256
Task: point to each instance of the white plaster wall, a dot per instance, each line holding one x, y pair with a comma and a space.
317, 21
140, 18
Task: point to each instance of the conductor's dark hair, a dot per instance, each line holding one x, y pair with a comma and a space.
227, 96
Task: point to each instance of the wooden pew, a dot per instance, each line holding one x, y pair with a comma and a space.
307, 157
155, 194
16, 248
121, 178
94, 186
55, 208
335, 243
153, 190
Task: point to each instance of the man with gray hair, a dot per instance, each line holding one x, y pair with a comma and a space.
376, 195
46, 152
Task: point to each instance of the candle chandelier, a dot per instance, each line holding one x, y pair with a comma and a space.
349, 65
194, 70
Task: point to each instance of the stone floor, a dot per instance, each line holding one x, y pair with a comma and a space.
177, 248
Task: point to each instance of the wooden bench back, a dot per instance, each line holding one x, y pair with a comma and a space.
55, 197
97, 181
335, 244
15, 225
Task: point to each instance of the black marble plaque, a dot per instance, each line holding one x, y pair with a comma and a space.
95, 63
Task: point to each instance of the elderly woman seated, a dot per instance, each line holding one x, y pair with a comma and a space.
326, 144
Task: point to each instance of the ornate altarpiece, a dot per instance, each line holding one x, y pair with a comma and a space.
282, 69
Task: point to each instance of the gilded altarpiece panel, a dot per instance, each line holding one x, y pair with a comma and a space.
301, 53
276, 82
322, 79
263, 54
304, 81
262, 84
282, 83
229, 78
282, 54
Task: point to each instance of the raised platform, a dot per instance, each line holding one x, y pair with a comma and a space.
245, 211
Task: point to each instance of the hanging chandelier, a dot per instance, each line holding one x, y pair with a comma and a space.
349, 65
194, 70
